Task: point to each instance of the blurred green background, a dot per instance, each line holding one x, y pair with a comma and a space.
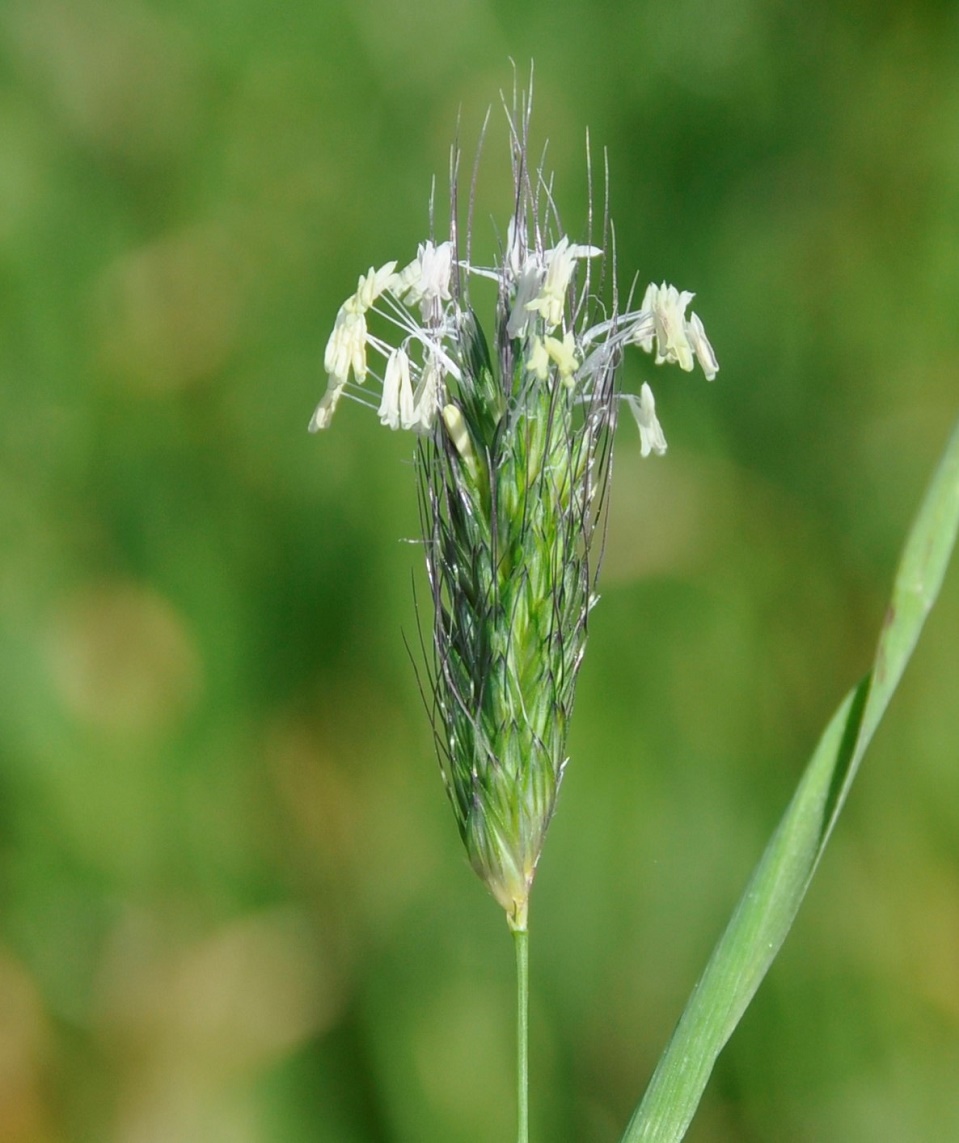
233, 906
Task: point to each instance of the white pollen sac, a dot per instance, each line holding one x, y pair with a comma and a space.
459, 434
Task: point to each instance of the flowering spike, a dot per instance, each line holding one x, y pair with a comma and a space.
513, 465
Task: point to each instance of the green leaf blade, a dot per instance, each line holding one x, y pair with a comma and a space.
768, 907
919, 577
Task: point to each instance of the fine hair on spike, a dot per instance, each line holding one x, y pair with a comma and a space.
454, 206
473, 181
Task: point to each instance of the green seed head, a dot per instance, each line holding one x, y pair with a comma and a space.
512, 487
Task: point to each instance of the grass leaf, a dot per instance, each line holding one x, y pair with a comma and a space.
775, 891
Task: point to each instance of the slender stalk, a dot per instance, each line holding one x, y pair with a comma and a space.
521, 937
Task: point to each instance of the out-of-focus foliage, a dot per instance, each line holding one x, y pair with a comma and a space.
232, 902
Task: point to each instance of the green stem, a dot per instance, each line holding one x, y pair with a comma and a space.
521, 937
